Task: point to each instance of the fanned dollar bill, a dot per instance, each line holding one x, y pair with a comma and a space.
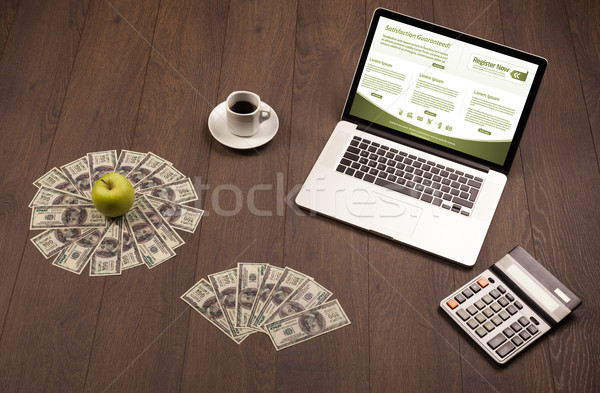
106, 258
249, 277
52, 241
164, 174
177, 215
54, 178
289, 281
168, 234
310, 294
179, 192
47, 196
70, 216
78, 172
202, 298
307, 324
127, 161
100, 163
271, 277
75, 257
225, 285
151, 246
146, 166
130, 255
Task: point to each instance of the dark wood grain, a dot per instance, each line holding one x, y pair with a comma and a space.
34, 71
80, 76
98, 112
564, 213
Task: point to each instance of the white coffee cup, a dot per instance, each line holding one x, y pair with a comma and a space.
245, 112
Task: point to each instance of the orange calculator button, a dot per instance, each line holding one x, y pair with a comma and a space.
482, 282
452, 303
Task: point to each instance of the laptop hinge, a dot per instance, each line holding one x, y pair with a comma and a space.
370, 128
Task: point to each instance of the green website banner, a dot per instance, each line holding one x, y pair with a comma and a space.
493, 151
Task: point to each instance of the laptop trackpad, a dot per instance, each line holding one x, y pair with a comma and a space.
387, 214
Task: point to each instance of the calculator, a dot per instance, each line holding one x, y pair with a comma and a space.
510, 305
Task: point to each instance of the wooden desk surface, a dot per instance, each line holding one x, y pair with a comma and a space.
82, 76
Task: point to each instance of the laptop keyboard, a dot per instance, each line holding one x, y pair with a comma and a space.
411, 175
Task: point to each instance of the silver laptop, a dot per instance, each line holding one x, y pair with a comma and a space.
430, 129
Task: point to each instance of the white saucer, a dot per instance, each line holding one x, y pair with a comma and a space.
219, 129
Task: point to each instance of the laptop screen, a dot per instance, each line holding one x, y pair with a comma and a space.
444, 88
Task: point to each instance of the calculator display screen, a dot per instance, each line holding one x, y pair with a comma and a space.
532, 288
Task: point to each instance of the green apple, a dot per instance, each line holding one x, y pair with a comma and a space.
113, 195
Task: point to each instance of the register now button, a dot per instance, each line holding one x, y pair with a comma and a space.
376, 95
486, 132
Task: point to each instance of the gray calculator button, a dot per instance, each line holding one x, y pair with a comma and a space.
463, 314
496, 341
467, 293
472, 310
510, 297
495, 294
489, 326
497, 321
505, 349
495, 307
516, 327
517, 341
472, 323
524, 321
501, 289
511, 309
503, 302
480, 318
488, 313
481, 331
532, 329
508, 332
525, 335
504, 315
518, 305
487, 299
460, 298
479, 304
475, 287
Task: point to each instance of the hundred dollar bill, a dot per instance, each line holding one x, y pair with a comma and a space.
225, 284
100, 163
49, 196
179, 192
75, 257
78, 173
202, 298
52, 241
289, 281
54, 178
177, 215
310, 294
130, 255
307, 324
168, 234
106, 259
164, 174
146, 166
70, 216
271, 277
127, 161
151, 246
249, 278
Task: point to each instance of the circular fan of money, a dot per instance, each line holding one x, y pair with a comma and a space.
145, 235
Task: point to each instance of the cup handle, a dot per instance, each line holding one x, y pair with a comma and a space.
265, 113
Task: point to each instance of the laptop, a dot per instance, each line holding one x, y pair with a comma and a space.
431, 126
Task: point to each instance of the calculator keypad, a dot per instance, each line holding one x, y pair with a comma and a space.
494, 316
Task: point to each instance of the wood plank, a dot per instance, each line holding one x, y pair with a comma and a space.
34, 71
245, 223
405, 287
329, 37
562, 182
8, 9
583, 22
144, 306
99, 112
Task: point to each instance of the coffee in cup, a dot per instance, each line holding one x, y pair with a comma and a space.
245, 113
